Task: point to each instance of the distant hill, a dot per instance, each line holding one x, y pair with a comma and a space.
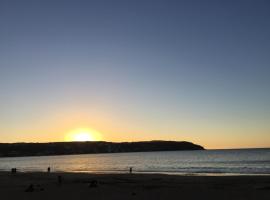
68, 148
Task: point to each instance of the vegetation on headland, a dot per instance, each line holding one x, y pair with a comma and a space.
69, 148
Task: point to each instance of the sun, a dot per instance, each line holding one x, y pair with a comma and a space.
83, 135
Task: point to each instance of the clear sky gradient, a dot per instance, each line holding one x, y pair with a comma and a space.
136, 70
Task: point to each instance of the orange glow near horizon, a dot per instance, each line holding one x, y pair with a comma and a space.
83, 134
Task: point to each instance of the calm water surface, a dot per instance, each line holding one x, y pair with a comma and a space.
248, 161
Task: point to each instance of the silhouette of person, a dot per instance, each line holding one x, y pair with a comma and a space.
130, 170
13, 170
49, 169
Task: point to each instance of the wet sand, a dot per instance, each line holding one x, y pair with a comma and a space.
132, 186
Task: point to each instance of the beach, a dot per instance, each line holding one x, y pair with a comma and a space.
37, 185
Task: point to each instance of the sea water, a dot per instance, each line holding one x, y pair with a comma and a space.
222, 162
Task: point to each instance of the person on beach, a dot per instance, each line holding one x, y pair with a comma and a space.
130, 170
14, 170
49, 170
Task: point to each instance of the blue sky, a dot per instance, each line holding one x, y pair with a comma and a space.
136, 70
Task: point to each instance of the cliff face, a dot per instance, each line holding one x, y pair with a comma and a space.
66, 148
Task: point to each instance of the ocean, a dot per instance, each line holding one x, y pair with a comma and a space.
216, 162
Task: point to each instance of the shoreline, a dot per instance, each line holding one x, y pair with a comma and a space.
141, 173
131, 186
221, 174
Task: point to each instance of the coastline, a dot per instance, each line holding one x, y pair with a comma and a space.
121, 172
92, 147
132, 186
216, 162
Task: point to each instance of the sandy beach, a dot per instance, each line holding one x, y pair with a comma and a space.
131, 186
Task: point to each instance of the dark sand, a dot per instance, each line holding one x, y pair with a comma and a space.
132, 186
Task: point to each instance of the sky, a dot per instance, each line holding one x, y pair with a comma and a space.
136, 70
